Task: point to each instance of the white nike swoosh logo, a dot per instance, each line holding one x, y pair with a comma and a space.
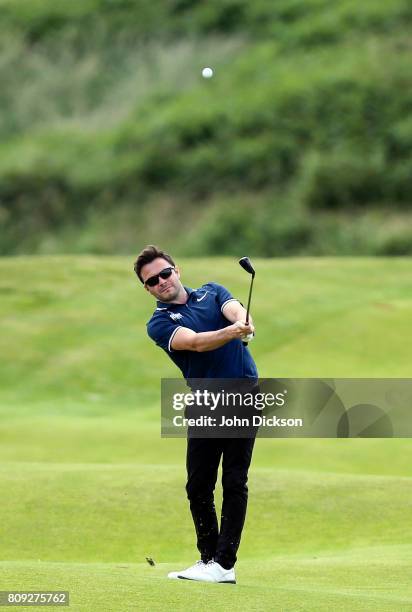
202, 298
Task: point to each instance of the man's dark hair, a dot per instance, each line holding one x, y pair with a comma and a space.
148, 254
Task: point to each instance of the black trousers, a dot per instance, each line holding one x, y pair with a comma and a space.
202, 462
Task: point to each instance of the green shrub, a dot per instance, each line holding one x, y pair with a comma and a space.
103, 108
262, 225
342, 179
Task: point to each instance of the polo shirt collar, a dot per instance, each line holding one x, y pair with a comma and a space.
188, 290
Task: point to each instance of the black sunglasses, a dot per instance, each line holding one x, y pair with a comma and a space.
153, 280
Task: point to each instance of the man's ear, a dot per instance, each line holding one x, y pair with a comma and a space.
177, 270
146, 287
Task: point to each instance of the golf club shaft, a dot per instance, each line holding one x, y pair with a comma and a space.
247, 265
250, 296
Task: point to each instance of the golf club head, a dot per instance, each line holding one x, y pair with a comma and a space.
247, 265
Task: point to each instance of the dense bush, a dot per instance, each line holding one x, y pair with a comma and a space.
103, 109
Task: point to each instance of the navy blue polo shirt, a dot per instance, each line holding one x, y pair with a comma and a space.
201, 313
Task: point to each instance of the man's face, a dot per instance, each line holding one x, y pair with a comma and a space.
167, 289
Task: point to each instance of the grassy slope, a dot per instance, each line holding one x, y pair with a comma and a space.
328, 523
73, 328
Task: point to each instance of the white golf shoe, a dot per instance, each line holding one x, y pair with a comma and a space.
191, 573
214, 572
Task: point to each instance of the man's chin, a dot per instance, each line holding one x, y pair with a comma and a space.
168, 296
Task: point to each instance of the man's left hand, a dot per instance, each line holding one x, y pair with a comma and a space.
248, 337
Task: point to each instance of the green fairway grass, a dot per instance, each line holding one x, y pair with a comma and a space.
364, 579
89, 489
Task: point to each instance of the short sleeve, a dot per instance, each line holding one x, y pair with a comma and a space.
162, 331
223, 296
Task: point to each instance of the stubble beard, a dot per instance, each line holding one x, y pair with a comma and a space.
171, 295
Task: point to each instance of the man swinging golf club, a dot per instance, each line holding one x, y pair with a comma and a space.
205, 332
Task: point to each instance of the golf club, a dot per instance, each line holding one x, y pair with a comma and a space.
247, 265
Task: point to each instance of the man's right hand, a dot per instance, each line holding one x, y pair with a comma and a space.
240, 329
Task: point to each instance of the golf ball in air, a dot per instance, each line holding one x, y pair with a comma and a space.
207, 73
